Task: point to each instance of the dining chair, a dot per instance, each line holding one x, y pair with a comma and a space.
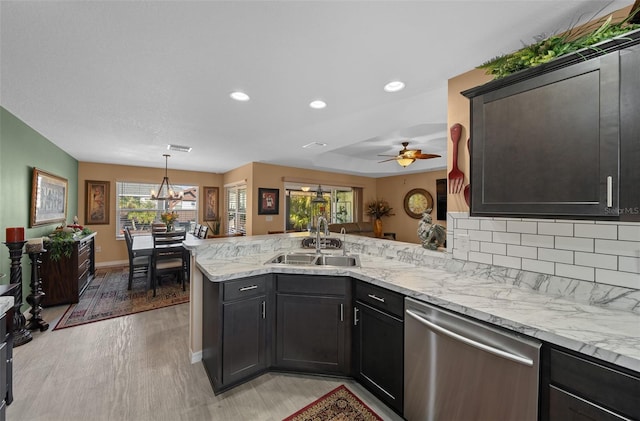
204, 229
169, 257
158, 227
138, 265
196, 230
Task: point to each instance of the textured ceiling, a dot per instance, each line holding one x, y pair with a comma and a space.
115, 82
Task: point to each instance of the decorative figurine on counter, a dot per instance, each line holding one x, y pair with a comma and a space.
431, 235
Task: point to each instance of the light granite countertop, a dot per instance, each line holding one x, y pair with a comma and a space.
5, 304
608, 334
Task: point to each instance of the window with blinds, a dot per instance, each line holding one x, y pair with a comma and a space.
236, 209
136, 210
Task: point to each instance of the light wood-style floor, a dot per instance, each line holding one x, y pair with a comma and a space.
137, 367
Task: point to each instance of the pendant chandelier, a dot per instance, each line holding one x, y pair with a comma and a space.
166, 191
319, 196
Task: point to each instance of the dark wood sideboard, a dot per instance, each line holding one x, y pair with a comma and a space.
63, 281
6, 350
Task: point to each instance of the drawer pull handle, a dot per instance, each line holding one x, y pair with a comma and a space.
342, 312
355, 316
264, 310
375, 297
609, 191
243, 289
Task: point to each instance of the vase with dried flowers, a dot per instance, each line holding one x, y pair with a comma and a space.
377, 209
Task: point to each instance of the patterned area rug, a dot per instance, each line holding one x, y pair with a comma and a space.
107, 297
338, 405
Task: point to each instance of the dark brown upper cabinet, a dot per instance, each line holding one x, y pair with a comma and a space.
561, 140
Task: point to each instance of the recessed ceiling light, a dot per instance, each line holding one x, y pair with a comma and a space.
239, 96
394, 86
317, 104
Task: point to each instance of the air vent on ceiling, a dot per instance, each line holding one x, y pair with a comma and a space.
179, 148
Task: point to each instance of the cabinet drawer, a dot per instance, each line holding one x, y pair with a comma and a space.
3, 326
381, 298
84, 245
244, 288
565, 406
83, 256
604, 386
83, 265
3, 370
308, 284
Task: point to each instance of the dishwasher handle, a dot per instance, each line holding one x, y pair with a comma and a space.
487, 348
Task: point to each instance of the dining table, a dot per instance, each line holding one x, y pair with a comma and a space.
143, 243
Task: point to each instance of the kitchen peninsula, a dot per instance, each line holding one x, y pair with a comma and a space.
498, 296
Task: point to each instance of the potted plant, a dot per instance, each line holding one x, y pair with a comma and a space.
377, 209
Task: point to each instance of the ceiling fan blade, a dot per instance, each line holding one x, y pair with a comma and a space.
426, 156
395, 156
387, 160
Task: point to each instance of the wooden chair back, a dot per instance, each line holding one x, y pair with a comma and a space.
158, 227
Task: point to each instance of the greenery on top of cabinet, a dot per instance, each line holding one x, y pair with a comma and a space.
60, 243
555, 46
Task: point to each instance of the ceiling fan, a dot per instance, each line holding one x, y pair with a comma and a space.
407, 157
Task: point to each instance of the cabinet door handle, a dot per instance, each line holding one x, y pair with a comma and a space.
609, 191
375, 297
355, 316
342, 312
248, 288
264, 310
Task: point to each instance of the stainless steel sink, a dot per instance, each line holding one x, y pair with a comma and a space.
293, 258
337, 260
312, 259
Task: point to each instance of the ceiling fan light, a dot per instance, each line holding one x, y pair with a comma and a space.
405, 162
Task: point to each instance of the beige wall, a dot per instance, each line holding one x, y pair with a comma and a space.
255, 175
459, 111
111, 249
393, 189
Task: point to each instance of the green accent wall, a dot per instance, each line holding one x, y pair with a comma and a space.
22, 149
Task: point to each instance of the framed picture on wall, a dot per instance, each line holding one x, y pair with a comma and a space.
268, 201
210, 203
48, 198
96, 211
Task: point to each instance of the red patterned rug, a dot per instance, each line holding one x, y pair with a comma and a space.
338, 405
107, 297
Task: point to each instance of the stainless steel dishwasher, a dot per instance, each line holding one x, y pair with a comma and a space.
460, 369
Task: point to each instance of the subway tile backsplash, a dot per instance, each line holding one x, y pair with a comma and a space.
606, 253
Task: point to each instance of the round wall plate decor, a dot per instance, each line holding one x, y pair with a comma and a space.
416, 202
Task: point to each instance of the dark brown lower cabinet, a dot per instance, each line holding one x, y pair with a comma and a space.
5, 375
64, 280
244, 338
313, 316
378, 343
578, 388
235, 330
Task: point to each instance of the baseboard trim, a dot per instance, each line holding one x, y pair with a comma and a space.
195, 356
113, 263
